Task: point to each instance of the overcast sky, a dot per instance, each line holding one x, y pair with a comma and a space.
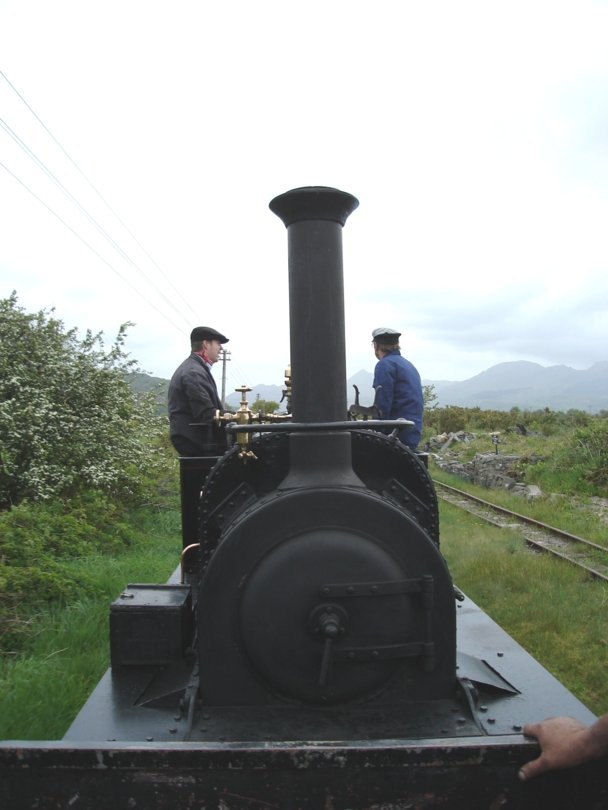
474, 134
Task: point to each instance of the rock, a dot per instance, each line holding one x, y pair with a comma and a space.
490, 470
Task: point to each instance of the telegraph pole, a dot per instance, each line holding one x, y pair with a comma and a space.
225, 359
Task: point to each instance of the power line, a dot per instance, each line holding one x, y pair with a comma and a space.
98, 193
90, 247
237, 373
81, 208
104, 233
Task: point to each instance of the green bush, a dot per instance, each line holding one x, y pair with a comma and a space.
450, 419
68, 419
37, 544
575, 459
563, 452
585, 456
78, 448
454, 418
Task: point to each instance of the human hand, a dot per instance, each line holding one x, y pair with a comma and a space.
564, 743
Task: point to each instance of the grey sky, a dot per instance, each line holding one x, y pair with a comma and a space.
474, 134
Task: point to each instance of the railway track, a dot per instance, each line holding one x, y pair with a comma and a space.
582, 553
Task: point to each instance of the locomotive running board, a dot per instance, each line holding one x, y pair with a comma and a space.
461, 769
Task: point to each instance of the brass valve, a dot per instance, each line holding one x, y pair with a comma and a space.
245, 416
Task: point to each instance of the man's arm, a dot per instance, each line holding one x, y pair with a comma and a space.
384, 386
565, 743
200, 396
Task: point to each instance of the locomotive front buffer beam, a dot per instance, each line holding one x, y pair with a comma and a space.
400, 775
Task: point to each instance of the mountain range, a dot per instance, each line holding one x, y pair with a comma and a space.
522, 384
530, 386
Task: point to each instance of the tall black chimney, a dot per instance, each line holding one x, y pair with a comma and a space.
314, 217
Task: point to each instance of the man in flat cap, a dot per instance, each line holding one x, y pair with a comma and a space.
193, 397
397, 384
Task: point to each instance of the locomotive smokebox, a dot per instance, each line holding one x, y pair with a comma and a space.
314, 217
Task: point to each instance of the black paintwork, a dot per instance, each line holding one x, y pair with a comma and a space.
314, 655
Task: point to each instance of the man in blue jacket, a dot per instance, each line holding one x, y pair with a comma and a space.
193, 397
397, 384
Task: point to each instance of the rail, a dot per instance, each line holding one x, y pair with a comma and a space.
540, 536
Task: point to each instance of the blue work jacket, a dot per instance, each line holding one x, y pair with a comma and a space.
399, 394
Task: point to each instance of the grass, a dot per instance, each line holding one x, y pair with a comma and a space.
44, 685
510, 444
552, 610
569, 513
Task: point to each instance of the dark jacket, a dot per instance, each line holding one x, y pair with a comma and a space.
193, 397
399, 394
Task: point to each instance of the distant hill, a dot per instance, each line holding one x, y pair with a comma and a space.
521, 384
267, 392
144, 383
530, 386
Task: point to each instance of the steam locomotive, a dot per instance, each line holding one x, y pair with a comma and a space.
311, 651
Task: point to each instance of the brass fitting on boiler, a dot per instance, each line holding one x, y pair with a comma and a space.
243, 416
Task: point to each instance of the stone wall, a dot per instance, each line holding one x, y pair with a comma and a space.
491, 470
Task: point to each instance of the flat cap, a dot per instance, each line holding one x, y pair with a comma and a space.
207, 333
389, 335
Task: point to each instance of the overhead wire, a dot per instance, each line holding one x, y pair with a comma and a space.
98, 193
22, 145
90, 247
237, 373
242, 377
42, 166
